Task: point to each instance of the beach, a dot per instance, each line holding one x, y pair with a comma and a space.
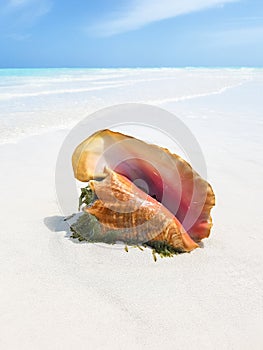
57, 293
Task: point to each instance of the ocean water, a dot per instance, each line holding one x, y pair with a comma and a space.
33, 101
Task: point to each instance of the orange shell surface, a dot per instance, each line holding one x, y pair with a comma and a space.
140, 218
169, 178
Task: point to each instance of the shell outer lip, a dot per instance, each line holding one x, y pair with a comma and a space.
201, 226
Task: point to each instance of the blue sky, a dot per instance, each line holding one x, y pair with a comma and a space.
131, 33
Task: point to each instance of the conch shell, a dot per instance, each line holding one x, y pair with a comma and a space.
167, 177
140, 218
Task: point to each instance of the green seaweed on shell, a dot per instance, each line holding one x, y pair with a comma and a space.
88, 228
87, 196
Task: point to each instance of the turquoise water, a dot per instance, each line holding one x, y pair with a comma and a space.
18, 72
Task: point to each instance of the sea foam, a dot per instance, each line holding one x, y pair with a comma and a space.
37, 100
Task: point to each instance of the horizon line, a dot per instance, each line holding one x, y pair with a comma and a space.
137, 67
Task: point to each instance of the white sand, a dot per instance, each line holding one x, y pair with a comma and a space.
57, 294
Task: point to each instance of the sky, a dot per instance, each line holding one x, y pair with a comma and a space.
131, 33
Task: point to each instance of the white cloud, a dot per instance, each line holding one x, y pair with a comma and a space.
35, 8
18, 16
15, 9
142, 12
